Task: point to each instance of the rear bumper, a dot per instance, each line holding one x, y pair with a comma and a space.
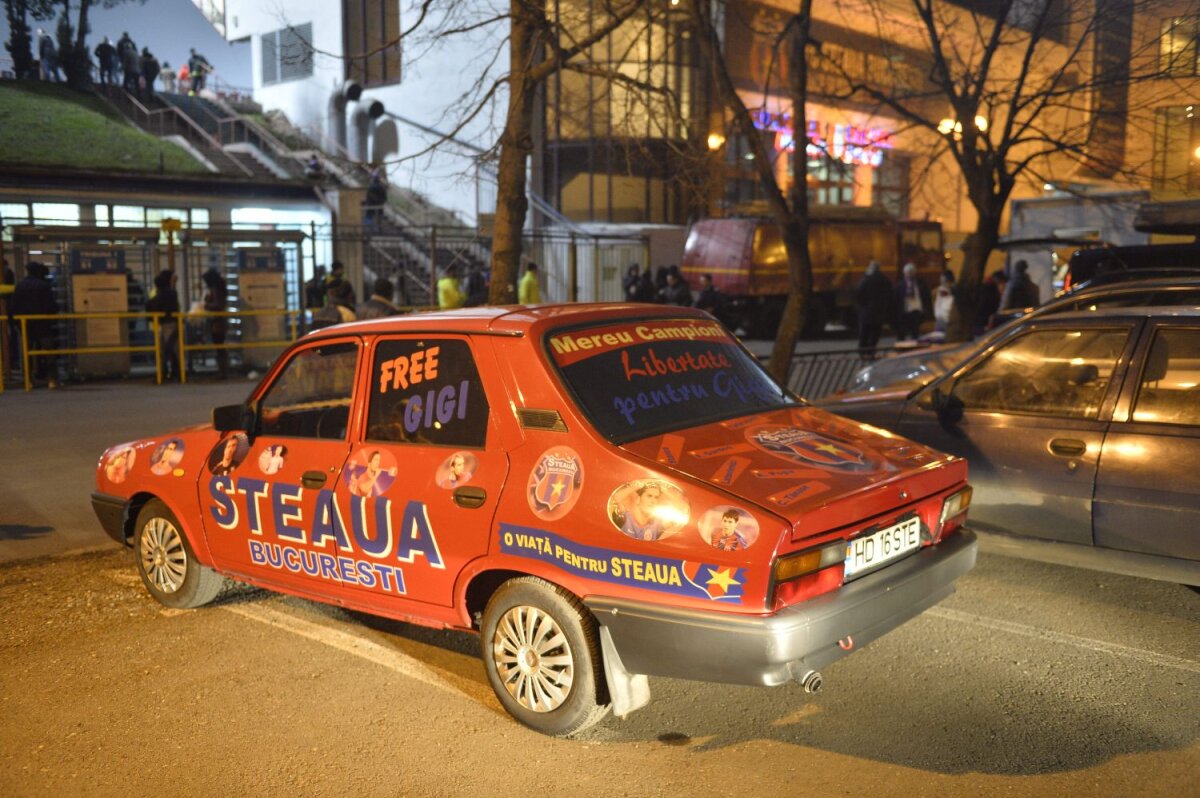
112, 512
773, 649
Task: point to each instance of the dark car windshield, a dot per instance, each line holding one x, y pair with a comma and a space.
640, 378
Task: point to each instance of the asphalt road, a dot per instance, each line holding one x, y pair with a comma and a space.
1031, 680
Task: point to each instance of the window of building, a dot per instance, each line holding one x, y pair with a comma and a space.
372, 44
1176, 137
287, 54
1177, 54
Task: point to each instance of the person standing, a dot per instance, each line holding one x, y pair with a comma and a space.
215, 301
199, 68
34, 295
990, 295
1021, 291
943, 302
167, 76
48, 56
632, 283
106, 58
166, 302
150, 68
185, 79
913, 304
449, 295
528, 292
380, 304
873, 303
314, 290
127, 53
676, 291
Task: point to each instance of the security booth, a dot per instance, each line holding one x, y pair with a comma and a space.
261, 270
96, 270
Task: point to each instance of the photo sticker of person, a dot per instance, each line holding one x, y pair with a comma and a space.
648, 509
228, 454
555, 483
456, 470
166, 457
119, 464
270, 461
728, 528
371, 472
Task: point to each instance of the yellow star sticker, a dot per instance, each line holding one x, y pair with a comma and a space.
723, 578
559, 484
829, 447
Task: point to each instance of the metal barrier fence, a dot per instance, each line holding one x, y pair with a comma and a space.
294, 319
816, 375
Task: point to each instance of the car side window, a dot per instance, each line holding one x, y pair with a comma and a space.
427, 391
1169, 390
311, 397
1060, 372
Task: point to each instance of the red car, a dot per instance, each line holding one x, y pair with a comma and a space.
602, 492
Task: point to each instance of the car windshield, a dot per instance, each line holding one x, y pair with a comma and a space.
635, 379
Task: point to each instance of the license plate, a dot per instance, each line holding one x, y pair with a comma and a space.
870, 551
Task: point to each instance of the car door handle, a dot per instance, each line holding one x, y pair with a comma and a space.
1067, 447
313, 479
469, 497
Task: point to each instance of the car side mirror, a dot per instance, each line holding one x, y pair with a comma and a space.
235, 418
949, 408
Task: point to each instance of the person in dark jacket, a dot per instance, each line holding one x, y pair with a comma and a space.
873, 302
48, 56
166, 301
34, 295
913, 303
632, 283
215, 300
676, 291
990, 294
106, 58
150, 69
1021, 291
380, 304
127, 54
710, 298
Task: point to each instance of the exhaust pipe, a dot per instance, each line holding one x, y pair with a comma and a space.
335, 128
812, 682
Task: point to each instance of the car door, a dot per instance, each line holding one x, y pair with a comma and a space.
1149, 479
262, 491
420, 487
1033, 416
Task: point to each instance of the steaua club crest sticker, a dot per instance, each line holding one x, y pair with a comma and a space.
810, 448
555, 483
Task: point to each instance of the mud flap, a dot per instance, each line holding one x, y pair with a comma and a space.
628, 691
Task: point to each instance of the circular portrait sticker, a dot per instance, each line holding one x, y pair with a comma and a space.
371, 472
271, 459
166, 457
555, 483
728, 528
806, 447
648, 509
228, 454
119, 464
456, 470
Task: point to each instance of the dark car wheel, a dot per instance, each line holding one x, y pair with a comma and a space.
166, 563
541, 650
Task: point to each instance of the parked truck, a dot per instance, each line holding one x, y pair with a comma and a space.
748, 263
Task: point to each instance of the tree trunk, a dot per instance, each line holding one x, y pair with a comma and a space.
20, 42
976, 249
795, 226
516, 145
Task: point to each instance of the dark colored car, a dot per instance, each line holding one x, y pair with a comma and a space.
1082, 431
914, 369
1099, 263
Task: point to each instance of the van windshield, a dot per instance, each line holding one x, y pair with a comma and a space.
635, 379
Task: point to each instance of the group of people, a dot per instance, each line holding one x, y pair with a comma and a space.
332, 300
165, 300
910, 302
137, 72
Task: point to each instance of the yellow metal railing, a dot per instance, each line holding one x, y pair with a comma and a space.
155, 320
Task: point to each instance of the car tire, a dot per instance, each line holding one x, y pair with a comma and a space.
166, 563
541, 650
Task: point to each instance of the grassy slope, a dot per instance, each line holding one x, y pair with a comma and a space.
47, 124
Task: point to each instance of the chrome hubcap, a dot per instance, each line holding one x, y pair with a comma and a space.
164, 559
533, 659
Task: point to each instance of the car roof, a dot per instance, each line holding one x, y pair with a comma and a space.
512, 320
1126, 286
1161, 311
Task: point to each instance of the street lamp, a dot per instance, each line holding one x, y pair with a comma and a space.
715, 141
951, 126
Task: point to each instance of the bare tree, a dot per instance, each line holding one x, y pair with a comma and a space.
790, 211
1008, 90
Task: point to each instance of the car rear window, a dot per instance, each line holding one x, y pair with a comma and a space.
640, 378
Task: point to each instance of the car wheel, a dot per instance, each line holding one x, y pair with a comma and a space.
166, 563
541, 650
